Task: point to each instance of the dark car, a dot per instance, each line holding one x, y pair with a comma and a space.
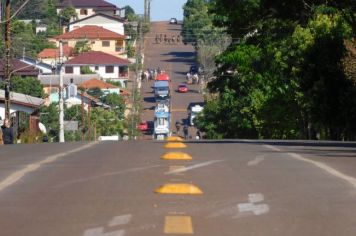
173, 21
194, 69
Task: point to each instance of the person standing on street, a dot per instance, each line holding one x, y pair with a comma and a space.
1, 140
186, 131
7, 132
177, 127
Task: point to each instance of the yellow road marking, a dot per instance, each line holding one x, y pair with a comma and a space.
176, 156
178, 110
179, 189
175, 145
174, 139
178, 225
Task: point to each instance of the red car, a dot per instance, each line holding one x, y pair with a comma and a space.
143, 126
182, 88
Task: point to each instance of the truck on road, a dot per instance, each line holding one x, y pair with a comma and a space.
162, 125
161, 91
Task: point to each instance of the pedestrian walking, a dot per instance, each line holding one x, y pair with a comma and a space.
178, 38
177, 127
173, 39
198, 135
186, 131
1, 140
7, 132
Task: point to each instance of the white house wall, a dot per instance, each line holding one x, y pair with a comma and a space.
14, 108
101, 72
115, 26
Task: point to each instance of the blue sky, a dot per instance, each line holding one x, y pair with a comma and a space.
160, 9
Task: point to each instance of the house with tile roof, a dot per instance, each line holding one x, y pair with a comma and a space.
112, 23
107, 66
51, 55
19, 68
105, 87
85, 8
97, 38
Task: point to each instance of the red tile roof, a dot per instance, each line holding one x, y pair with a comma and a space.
97, 58
90, 32
54, 52
87, 3
19, 68
95, 83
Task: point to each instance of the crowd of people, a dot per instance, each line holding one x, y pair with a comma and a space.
186, 131
171, 39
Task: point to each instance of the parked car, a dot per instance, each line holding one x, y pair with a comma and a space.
194, 69
173, 21
182, 88
143, 126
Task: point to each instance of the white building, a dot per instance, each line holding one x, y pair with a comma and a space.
85, 8
111, 23
109, 67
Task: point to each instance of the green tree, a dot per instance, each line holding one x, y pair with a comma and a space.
81, 46
67, 14
95, 92
283, 76
116, 102
28, 85
196, 21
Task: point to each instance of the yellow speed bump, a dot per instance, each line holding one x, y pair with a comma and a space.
175, 145
176, 156
174, 139
179, 189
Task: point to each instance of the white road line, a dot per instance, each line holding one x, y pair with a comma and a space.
105, 175
256, 161
272, 148
351, 180
326, 168
120, 220
100, 232
255, 197
16, 176
179, 170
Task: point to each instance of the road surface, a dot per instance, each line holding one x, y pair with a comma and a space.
175, 59
108, 188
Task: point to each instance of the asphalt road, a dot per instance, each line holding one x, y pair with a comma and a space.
175, 59
108, 188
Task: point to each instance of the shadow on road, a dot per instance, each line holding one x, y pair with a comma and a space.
149, 99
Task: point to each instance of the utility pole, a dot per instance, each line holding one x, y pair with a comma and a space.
137, 76
146, 11
7, 58
149, 11
61, 101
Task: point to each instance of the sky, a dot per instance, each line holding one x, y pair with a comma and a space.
161, 10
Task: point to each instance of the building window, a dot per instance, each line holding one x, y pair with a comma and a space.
83, 12
96, 67
106, 43
109, 69
69, 69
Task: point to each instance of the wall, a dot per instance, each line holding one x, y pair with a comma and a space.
109, 24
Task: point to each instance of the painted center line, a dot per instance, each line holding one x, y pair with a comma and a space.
16, 176
116, 221
192, 167
178, 225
